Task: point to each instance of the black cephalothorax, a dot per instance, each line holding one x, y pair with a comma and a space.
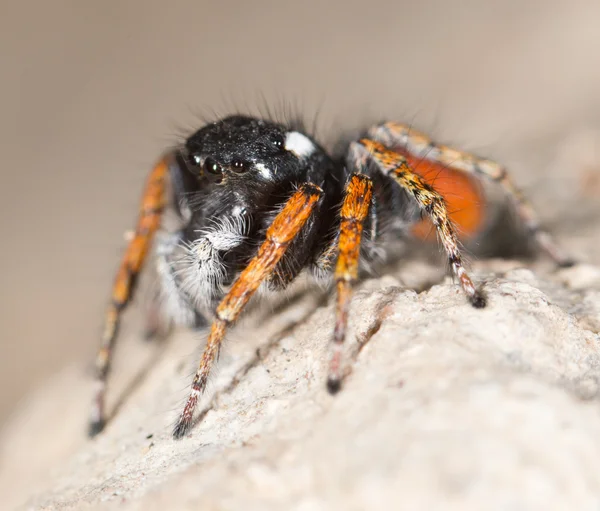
235, 175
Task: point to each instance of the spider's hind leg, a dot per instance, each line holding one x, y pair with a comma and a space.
394, 135
428, 199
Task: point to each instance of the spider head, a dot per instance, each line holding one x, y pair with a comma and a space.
245, 151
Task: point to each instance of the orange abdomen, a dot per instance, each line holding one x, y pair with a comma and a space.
463, 195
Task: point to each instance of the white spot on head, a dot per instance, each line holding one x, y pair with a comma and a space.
299, 144
264, 171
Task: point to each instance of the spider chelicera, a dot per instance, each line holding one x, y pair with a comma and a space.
258, 202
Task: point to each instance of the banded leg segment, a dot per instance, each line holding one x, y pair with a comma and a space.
395, 135
152, 204
284, 229
431, 202
355, 209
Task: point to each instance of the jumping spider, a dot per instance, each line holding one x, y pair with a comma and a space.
258, 202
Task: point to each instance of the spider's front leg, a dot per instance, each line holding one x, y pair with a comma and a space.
429, 200
354, 210
394, 135
284, 229
151, 208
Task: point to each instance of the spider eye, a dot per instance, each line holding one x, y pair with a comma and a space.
212, 167
194, 160
279, 142
239, 166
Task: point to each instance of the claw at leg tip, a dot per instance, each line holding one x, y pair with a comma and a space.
333, 385
567, 263
96, 427
478, 301
180, 429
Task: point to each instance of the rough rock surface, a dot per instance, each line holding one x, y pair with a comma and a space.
445, 407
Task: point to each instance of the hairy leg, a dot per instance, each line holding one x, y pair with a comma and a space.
152, 204
353, 213
395, 135
285, 227
431, 202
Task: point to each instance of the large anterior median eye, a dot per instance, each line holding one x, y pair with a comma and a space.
212, 167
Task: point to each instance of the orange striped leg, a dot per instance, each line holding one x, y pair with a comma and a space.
393, 134
430, 201
285, 227
153, 201
353, 213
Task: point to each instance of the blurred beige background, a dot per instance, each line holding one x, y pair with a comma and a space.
91, 92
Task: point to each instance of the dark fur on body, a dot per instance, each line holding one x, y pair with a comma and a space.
237, 144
